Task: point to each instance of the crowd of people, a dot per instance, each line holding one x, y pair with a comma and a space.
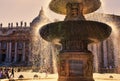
6, 73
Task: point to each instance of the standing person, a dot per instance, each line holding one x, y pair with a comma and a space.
46, 74
0, 73
7, 73
12, 72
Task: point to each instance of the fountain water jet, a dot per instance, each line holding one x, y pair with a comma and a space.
115, 35
42, 51
75, 33
110, 46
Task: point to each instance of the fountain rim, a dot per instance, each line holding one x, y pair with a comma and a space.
46, 27
59, 6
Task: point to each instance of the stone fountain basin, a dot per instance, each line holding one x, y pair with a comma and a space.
91, 31
59, 6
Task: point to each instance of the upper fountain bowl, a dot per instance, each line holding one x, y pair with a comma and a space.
59, 6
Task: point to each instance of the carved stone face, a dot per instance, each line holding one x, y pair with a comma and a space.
76, 9
74, 12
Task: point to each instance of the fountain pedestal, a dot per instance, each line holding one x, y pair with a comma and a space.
75, 61
75, 66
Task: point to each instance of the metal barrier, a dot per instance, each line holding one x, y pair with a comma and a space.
108, 70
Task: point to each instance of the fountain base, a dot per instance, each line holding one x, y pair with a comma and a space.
75, 66
75, 79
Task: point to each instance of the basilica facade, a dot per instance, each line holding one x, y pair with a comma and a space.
15, 44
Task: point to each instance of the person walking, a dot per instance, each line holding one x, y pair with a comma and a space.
7, 73
1, 73
12, 72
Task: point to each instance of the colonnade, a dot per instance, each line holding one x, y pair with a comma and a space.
9, 50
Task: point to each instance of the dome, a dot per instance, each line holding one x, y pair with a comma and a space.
41, 18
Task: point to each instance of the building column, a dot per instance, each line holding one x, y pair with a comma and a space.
0, 53
96, 60
105, 54
30, 55
15, 56
23, 54
10, 46
7, 53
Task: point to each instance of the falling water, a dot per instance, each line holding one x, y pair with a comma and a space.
115, 35
43, 53
108, 50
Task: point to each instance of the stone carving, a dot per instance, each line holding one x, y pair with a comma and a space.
8, 24
25, 24
21, 23
62, 67
11, 24
88, 68
16, 24
1, 25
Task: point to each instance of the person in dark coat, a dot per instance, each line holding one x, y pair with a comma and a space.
12, 72
7, 73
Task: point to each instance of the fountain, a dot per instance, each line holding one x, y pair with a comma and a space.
75, 61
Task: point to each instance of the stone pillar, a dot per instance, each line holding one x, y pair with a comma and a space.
10, 46
0, 53
29, 55
99, 56
95, 51
23, 54
105, 54
75, 66
54, 54
7, 53
76, 62
15, 57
